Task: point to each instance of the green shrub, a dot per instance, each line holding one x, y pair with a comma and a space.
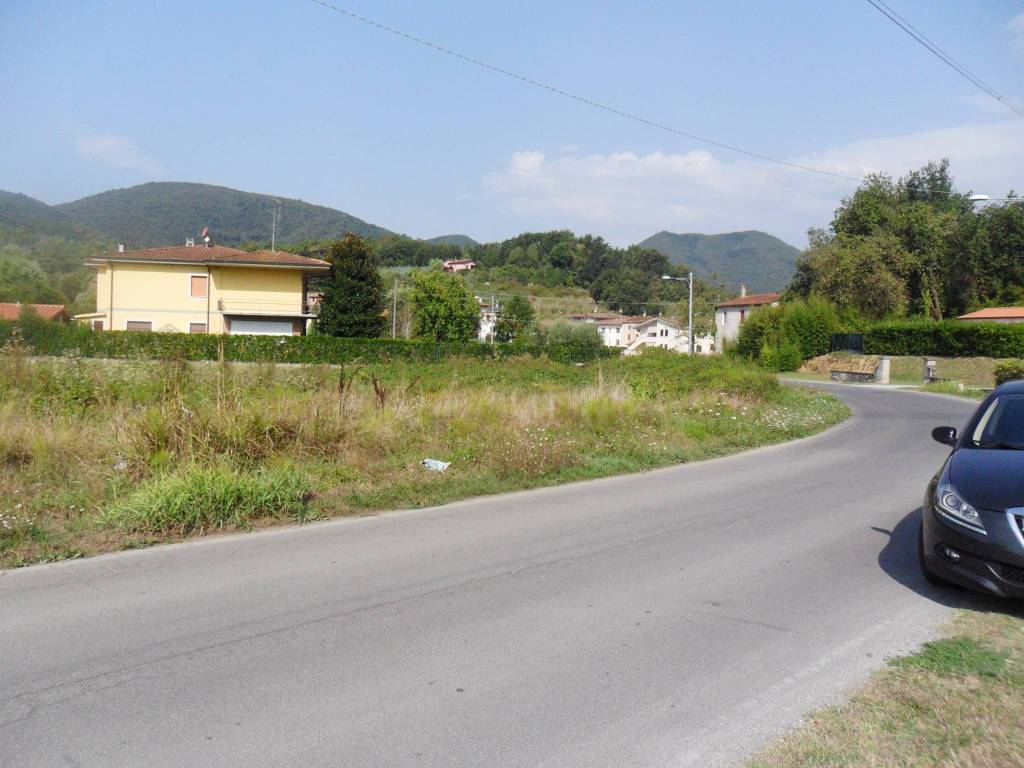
199, 499
782, 337
1010, 370
579, 345
948, 338
789, 356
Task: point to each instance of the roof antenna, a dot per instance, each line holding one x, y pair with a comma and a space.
275, 214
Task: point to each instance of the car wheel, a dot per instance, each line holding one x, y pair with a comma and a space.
934, 579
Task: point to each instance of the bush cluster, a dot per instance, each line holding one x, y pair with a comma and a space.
1009, 370
948, 338
54, 339
781, 338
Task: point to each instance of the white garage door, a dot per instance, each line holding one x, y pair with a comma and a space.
262, 327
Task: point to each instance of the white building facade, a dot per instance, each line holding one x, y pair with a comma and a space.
732, 314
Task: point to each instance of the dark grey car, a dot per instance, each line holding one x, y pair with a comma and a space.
972, 519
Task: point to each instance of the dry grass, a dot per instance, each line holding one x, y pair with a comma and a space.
97, 455
957, 702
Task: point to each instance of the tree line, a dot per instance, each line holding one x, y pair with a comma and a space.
916, 247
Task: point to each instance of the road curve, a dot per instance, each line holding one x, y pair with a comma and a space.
677, 617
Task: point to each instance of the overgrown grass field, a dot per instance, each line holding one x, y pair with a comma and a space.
98, 455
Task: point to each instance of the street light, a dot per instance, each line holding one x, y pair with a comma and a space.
978, 198
689, 326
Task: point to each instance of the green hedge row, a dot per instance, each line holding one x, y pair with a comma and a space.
55, 339
949, 338
1011, 370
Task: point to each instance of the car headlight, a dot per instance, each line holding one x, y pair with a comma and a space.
951, 504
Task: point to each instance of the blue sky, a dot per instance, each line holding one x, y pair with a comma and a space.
287, 97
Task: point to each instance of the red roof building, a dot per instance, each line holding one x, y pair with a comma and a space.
56, 312
996, 315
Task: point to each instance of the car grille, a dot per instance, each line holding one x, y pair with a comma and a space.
1011, 573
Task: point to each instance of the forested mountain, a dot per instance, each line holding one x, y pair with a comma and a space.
165, 213
36, 217
462, 241
757, 259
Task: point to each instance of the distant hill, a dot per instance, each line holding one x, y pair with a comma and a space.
761, 261
463, 241
27, 213
165, 213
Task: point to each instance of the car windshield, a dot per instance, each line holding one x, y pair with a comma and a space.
1002, 424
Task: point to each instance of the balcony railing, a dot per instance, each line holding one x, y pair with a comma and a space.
291, 308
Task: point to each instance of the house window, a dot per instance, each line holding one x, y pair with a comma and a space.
197, 327
743, 315
199, 287
97, 325
139, 325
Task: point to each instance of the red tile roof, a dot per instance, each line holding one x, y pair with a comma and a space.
214, 254
45, 311
995, 313
751, 300
625, 320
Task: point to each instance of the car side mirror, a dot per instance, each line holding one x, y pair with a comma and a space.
944, 435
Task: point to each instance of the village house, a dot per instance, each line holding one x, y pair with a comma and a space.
53, 312
203, 289
995, 315
458, 265
731, 314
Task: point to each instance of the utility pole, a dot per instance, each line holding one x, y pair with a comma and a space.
275, 208
394, 310
689, 328
689, 306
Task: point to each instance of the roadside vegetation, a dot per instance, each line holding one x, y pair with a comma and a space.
959, 701
99, 454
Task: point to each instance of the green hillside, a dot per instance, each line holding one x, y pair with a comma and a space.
165, 213
18, 211
761, 261
463, 241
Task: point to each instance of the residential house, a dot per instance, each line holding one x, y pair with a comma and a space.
203, 289
458, 265
619, 330
995, 315
731, 314
664, 333
54, 312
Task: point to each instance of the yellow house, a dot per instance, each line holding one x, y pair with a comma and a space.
203, 289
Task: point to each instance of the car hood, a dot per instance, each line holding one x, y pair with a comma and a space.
989, 479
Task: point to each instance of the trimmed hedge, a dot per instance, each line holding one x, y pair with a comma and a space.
948, 338
1011, 370
56, 339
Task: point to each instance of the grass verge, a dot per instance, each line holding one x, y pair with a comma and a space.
99, 455
959, 701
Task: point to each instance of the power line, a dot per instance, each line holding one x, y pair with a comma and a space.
580, 99
946, 58
604, 107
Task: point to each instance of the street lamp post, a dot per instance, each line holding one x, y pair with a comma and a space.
689, 306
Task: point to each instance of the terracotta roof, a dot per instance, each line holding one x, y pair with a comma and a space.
665, 320
751, 299
214, 254
45, 311
626, 320
995, 313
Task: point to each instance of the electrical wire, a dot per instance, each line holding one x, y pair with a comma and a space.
599, 105
946, 58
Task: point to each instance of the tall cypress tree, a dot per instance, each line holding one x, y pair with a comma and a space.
354, 299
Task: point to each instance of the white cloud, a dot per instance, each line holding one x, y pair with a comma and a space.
1016, 27
117, 152
626, 196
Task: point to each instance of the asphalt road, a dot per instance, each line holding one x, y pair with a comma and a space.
678, 617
